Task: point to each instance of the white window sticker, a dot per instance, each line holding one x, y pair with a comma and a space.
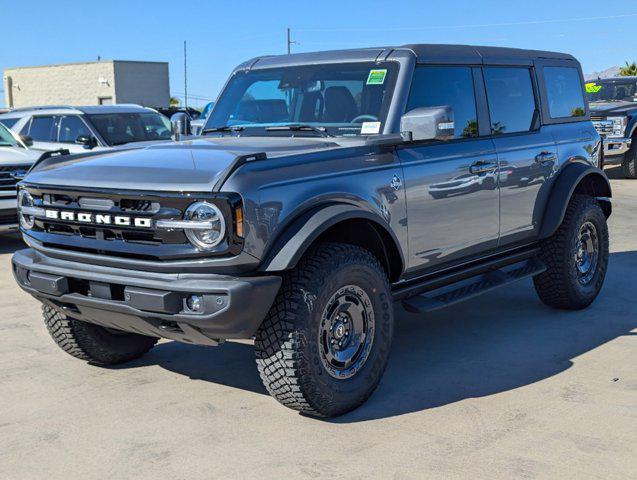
370, 128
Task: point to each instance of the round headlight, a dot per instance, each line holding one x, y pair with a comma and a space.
205, 237
25, 200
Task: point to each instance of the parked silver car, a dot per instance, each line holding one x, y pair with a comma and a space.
78, 129
15, 160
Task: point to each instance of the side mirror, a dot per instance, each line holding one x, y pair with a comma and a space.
428, 123
28, 141
87, 140
181, 125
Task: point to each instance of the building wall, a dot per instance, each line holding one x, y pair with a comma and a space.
144, 83
72, 84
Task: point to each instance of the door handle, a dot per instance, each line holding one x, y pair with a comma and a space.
546, 157
483, 167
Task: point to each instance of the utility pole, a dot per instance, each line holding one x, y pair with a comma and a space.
185, 76
290, 41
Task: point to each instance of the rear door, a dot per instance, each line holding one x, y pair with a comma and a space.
43, 130
451, 187
527, 153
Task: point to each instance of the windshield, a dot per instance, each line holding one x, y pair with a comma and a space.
340, 99
612, 90
6, 139
122, 128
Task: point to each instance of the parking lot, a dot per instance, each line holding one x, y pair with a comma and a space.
499, 387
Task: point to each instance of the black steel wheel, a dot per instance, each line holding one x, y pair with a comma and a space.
576, 257
325, 343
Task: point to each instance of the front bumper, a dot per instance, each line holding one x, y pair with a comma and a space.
615, 147
149, 303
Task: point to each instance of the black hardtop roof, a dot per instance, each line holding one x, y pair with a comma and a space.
425, 53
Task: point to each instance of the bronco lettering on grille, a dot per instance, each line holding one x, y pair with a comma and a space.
98, 218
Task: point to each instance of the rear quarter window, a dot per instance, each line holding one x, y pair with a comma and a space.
564, 92
9, 122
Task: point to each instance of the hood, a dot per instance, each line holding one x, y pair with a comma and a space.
17, 156
188, 166
612, 108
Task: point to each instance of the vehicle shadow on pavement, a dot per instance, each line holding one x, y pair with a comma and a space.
498, 342
495, 343
10, 242
231, 364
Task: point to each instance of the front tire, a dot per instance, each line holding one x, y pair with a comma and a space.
576, 257
93, 343
629, 164
325, 343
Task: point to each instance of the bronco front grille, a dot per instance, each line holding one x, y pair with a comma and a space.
136, 239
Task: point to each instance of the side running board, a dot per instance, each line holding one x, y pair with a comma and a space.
472, 287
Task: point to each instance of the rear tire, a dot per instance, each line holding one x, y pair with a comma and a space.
93, 343
576, 257
325, 343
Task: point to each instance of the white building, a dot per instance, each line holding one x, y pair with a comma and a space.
90, 83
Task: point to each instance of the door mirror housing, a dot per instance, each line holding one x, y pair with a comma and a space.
26, 140
181, 125
428, 123
88, 141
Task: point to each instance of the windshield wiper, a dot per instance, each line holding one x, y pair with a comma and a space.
225, 128
300, 127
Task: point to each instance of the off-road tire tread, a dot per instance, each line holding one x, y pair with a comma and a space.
279, 355
629, 164
78, 339
553, 286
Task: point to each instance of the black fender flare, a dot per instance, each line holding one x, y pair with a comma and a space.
285, 252
563, 189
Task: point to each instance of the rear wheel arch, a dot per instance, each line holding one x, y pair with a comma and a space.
576, 178
335, 223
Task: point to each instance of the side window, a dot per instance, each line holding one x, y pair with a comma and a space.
511, 99
72, 127
453, 86
42, 129
564, 92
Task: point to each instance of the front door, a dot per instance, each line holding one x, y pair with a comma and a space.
451, 187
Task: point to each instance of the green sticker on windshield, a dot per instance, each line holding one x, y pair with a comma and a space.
593, 87
376, 77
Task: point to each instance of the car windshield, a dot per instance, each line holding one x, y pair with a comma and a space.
122, 128
338, 99
6, 139
612, 90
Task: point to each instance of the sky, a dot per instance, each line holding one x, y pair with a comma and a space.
222, 34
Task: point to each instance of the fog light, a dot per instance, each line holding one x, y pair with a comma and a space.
194, 303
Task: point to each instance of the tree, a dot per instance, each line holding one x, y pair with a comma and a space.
174, 102
630, 70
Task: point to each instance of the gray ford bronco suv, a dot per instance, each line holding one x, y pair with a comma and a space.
325, 188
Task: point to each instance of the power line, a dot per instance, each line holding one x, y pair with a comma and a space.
479, 25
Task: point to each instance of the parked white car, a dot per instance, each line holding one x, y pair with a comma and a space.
78, 129
15, 160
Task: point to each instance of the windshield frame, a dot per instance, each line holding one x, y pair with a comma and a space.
8, 139
395, 75
108, 139
596, 97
